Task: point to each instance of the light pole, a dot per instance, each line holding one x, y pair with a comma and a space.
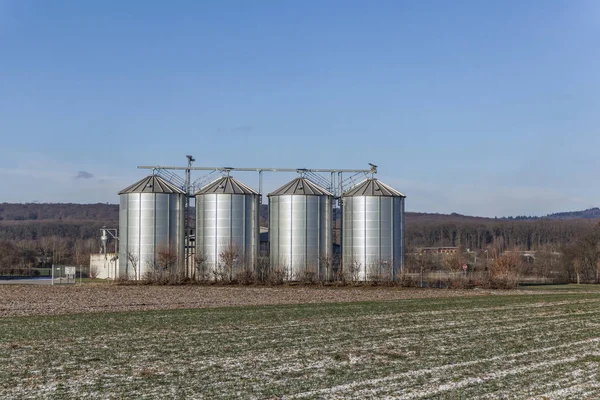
105, 236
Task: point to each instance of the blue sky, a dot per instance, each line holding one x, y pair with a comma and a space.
481, 108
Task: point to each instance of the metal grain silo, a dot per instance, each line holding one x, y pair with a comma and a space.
300, 221
227, 229
151, 221
372, 231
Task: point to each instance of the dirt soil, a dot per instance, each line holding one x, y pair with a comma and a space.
25, 300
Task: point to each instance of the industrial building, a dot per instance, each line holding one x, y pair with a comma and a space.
226, 239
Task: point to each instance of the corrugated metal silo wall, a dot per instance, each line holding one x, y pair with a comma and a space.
148, 223
300, 235
226, 224
373, 237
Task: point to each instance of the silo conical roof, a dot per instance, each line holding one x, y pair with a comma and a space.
301, 186
372, 187
152, 184
226, 185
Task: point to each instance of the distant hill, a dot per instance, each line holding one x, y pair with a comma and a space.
435, 217
58, 212
31, 221
110, 214
83, 221
590, 213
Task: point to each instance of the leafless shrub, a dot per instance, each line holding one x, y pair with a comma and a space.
380, 273
374, 274
435, 280
504, 271
342, 276
219, 274
421, 264
262, 269
228, 260
309, 276
453, 262
167, 258
386, 268
166, 269
327, 264
406, 280
134, 260
174, 276
93, 271
200, 270
124, 280
354, 270
459, 281
277, 275
245, 276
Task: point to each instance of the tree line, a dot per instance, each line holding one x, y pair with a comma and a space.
19, 257
58, 211
498, 234
59, 232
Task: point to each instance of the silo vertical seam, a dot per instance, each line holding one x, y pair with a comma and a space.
154, 230
203, 243
197, 236
291, 236
305, 220
393, 224
244, 227
126, 252
379, 232
169, 238
365, 235
341, 266
140, 231
319, 246
273, 252
257, 204
215, 259
197, 225
230, 245
277, 257
402, 232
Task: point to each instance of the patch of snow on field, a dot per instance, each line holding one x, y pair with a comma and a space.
447, 367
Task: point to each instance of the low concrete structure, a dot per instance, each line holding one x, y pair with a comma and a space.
104, 267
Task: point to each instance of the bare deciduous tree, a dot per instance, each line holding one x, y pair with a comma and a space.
228, 260
504, 271
167, 258
200, 264
134, 260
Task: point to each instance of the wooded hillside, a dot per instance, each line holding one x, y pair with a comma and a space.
82, 221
